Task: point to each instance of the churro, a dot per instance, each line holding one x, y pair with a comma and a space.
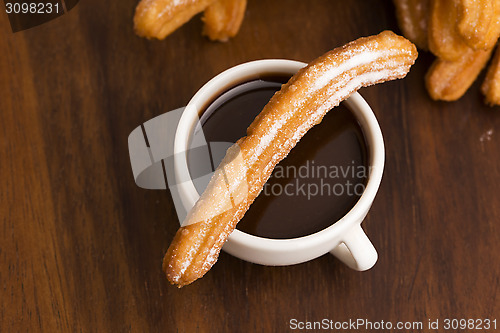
223, 19
449, 80
462, 34
159, 18
444, 40
479, 22
491, 85
412, 18
300, 104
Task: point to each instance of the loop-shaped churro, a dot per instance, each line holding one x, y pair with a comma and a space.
444, 40
223, 19
299, 105
159, 18
449, 80
412, 18
462, 34
479, 22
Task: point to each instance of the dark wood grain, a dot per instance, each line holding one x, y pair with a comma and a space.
81, 245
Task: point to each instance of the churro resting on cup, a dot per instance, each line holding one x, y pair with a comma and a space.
299, 105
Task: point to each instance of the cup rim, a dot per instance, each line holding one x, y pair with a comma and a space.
237, 74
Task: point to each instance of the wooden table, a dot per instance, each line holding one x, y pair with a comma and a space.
81, 245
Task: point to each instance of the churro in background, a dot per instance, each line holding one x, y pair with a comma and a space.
159, 18
462, 35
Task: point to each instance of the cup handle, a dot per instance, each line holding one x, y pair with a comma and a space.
356, 250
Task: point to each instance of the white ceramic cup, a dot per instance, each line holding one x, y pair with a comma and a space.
345, 238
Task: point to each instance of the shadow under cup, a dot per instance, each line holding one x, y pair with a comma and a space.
317, 184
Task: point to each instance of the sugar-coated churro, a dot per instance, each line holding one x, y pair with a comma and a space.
159, 18
300, 104
412, 18
479, 22
444, 40
223, 19
449, 80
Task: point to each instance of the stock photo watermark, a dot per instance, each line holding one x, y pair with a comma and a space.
189, 170
26, 14
330, 180
366, 325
